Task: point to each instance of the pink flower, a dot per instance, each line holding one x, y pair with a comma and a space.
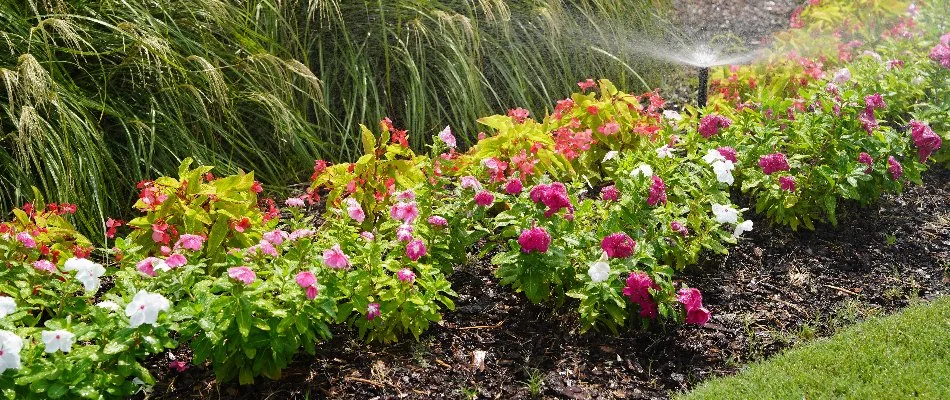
514, 187
406, 195
484, 198
405, 212
519, 115
587, 84
294, 202
300, 233
179, 366
264, 247
865, 158
894, 168
618, 245
554, 196
415, 250
772, 163
276, 237
867, 119
592, 110
925, 139
678, 227
447, 137
610, 193
404, 233
710, 124
190, 242
728, 153
242, 274
436, 220
657, 192
149, 265
354, 210
874, 101
26, 239
787, 183
334, 258
609, 128
368, 236
44, 265
638, 290
307, 281
941, 54
469, 182
690, 298
176, 260
372, 311
698, 316
534, 239
406, 275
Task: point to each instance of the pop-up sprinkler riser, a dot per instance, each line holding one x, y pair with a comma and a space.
703, 83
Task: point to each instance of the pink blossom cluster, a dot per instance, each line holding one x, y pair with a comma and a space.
335, 258
678, 227
657, 192
865, 158
618, 245
692, 301
710, 124
787, 183
772, 163
484, 198
925, 139
554, 196
415, 250
729, 153
519, 115
866, 117
895, 168
514, 187
570, 143
638, 290
941, 52
405, 211
406, 275
534, 239
610, 193
307, 281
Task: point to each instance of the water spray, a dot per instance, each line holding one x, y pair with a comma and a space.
703, 83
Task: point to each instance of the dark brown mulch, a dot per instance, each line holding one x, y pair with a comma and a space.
776, 289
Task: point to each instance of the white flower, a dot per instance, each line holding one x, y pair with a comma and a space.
7, 306
725, 214
843, 75
600, 270
145, 307
643, 170
108, 305
723, 170
917, 80
664, 152
10, 346
672, 115
610, 155
87, 272
745, 226
712, 156
58, 340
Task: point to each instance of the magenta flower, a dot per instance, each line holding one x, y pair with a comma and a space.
678, 227
690, 298
534, 239
925, 139
405, 212
439, 221
610, 193
447, 137
729, 153
787, 183
657, 192
176, 260
190, 242
710, 124
26, 239
554, 196
618, 245
941, 53
404, 233
514, 187
44, 265
242, 274
307, 281
874, 101
868, 121
372, 311
484, 198
264, 247
334, 258
638, 290
415, 250
149, 265
276, 237
772, 163
865, 158
894, 168
698, 316
406, 275
406, 195
179, 366
355, 211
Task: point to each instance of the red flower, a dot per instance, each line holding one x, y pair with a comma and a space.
618, 245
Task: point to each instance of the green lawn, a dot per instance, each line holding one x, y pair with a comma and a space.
906, 355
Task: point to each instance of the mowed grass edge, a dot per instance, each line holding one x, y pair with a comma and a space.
905, 355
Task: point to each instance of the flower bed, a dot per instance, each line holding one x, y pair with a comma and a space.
603, 200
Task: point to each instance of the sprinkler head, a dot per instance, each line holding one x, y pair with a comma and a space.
703, 83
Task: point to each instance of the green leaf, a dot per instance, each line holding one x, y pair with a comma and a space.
369, 140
